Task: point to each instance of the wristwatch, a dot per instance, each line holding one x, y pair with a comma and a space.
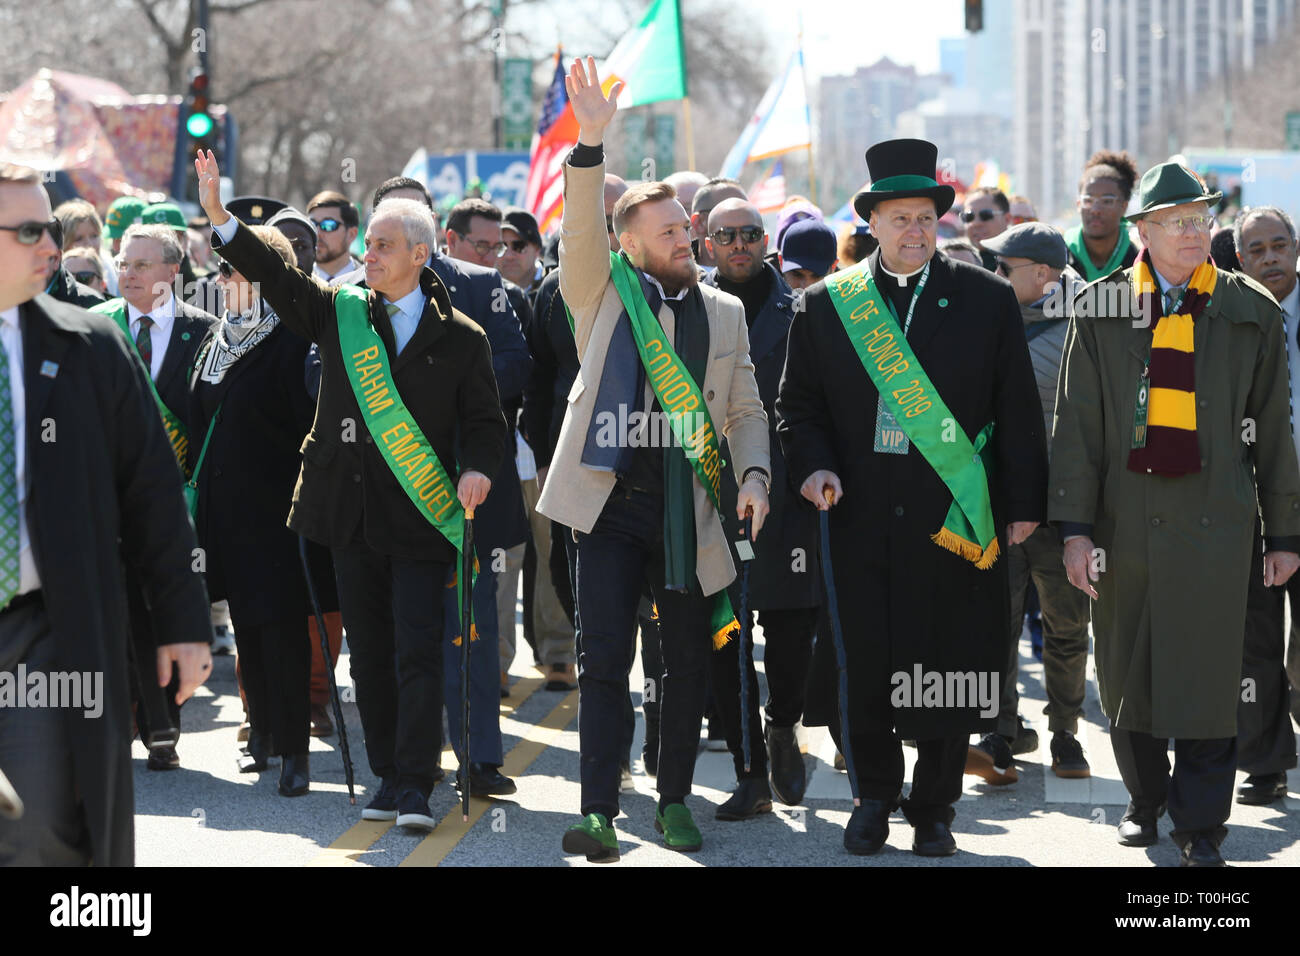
762, 476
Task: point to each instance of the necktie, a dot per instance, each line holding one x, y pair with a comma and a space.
144, 343
393, 313
9, 570
1172, 295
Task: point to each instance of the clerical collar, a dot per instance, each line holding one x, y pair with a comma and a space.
900, 277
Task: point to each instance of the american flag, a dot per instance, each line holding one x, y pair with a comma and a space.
769, 194
557, 134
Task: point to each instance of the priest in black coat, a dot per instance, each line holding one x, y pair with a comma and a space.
912, 612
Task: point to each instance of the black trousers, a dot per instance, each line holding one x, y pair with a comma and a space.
1199, 794
36, 756
1265, 737
624, 552
393, 612
275, 663
145, 703
936, 777
787, 650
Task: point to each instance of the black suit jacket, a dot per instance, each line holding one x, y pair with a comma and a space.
105, 489
173, 382
346, 493
555, 366
248, 475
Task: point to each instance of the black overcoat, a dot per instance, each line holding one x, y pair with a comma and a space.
784, 572
903, 600
246, 482
103, 487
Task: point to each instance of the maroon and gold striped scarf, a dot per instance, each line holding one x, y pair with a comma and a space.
1171, 448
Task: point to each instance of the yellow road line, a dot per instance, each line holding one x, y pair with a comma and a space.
433, 849
360, 837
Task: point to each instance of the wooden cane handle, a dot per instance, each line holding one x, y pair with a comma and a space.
469, 513
829, 494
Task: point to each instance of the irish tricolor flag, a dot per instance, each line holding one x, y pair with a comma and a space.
650, 59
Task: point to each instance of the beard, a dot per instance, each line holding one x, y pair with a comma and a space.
673, 274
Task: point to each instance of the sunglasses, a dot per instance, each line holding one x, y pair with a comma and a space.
329, 225
748, 234
87, 277
519, 246
29, 233
1006, 270
225, 268
984, 215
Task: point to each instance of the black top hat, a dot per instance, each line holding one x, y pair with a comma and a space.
254, 210
900, 169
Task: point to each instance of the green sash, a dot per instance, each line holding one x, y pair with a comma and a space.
683, 405
177, 434
908, 393
398, 438
1074, 239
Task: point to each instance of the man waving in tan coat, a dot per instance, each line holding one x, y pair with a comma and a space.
665, 367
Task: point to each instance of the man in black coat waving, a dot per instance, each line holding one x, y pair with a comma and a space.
931, 475
408, 352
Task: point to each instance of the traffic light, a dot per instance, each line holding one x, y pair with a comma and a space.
974, 16
200, 129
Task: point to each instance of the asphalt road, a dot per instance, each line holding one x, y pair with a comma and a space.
208, 814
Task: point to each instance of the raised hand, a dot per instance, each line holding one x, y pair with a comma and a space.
591, 107
205, 167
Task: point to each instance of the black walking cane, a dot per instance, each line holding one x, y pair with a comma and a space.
841, 661
745, 549
329, 669
466, 624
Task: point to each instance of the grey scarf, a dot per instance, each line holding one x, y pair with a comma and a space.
235, 337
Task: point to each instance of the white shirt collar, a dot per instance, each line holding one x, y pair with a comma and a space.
1291, 304
10, 316
411, 304
162, 315
901, 277
662, 294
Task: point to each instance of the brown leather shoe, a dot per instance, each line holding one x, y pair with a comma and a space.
321, 725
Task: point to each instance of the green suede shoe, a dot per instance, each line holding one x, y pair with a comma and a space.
595, 837
679, 829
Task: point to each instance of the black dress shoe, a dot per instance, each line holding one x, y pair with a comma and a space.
1201, 850
295, 775
1261, 788
163, 758
933, 838
256, 754
868, 827
788, 777
750, 798
1138, 827
486, 780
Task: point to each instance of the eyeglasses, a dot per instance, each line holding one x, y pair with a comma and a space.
1184, 224
520, 246
483, 246
748, 234
984, 215
87, 277
29, 233
1101, 202
225, 268
328, 225
1006, 270
135, 265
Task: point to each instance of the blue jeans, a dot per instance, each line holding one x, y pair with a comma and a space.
484, 677
615, 562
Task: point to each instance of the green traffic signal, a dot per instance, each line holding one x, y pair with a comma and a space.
199, 125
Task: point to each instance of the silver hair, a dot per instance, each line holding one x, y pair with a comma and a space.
165, 236
1239, 224
416, 219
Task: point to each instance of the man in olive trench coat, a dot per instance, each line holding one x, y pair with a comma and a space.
1169, 555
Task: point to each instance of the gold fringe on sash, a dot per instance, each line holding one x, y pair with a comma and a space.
982, 558
724, 635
